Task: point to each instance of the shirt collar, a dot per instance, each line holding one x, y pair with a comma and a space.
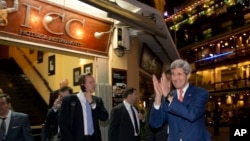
7, 116
127, 105
81, 96
184, 89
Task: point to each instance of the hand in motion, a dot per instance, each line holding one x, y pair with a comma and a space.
161, 88
57, 102
165, 85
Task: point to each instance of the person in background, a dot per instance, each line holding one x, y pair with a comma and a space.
216, 117
14, 126
80, 114
1, 91
161, 133
124, 119
50, 129
54, 94
185, 107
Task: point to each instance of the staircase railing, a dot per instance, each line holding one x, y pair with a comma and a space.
35, 69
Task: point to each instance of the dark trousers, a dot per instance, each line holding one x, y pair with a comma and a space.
88, 138
138, 138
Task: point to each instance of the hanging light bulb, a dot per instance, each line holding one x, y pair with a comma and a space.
98, 35
48, 19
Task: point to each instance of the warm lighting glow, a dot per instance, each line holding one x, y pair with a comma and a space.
34, 19
229, 100
82, 61
241, 97
240, 103
226, 43
79, 33
219, 103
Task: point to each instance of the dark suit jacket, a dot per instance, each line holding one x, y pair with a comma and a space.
19, 128
155, 134
120, 127
187, 119
76, 132
50, 127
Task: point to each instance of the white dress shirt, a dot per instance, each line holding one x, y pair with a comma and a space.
127, 105
7, 121
82, 99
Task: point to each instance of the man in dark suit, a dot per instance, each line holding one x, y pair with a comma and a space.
54, 94
80, 114
155, 134
123, 126
15, 126
50, 128
184, 108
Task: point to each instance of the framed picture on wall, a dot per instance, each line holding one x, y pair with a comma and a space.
39, 57
51, 65
150, 62
76, 74
88, 68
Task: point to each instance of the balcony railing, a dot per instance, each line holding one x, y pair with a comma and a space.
235, 84
237, 55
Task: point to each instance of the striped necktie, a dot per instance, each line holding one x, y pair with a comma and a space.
181, 95
3, 130
135, 120
89, 119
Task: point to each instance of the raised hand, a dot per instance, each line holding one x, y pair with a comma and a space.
158, 90
165, 85
57, 103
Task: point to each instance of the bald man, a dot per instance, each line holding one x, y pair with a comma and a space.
54, 94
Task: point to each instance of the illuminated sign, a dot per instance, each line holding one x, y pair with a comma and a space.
47, 24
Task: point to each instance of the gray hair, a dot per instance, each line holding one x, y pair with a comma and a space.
179, 63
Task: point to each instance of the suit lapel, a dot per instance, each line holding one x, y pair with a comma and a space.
10, 128
188, 95
175, 94
126, 113
126, 118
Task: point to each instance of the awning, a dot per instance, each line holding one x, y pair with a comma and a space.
126, 16
149, 20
